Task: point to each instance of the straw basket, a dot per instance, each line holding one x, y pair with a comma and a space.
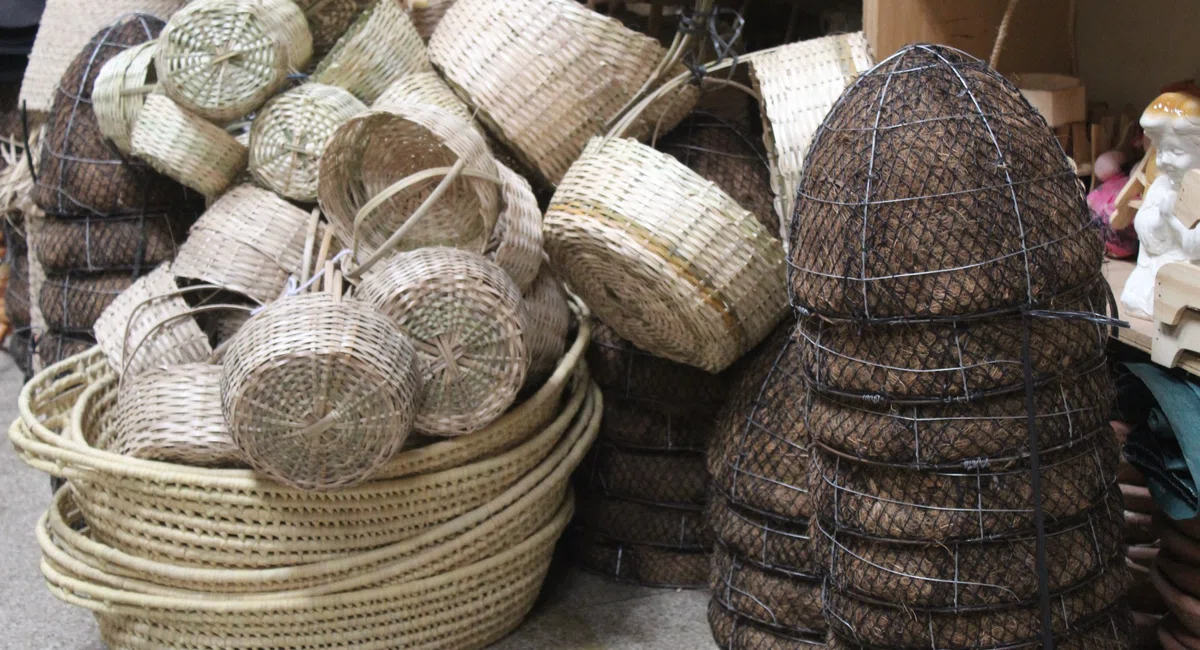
329, 19
96, 244
547, 321
798, 84
681, 529
249, 241
223, 58
289, 134
464, 315
665, 257
187, 148
120, 91
150, 325
776, 600
427, 17
374, 176
734, 632
547, 75
516, 244
161, 511
643, 565
73, 303
780, 546
16, 295
381, 47
669, 479
636, 424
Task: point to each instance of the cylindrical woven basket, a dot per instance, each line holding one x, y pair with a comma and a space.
1113, 630
174, 414
978, 501
798, 84
676, 479
320, 392
971, 574
53, 347
16, 295
427, 17
381, 47
120, 91
221, 59
624, 371
464, 315
289, 135
374, 151
547, 75
150, 325
427, 88
666, 258
732, 631
548, 323
185, 147
636, 424
73, 303
621, 520
329, 19
249, 241
776, 600
100, 244
637, 564
776, 545
516, 243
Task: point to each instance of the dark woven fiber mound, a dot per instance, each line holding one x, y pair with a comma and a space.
16, 296
644, 565
664, 478
773, 544
1113, 630
933, 188
53, 347
777, 600
82, 173
98, 244
637, 424
648, 525
73, 303
971, 574
20, 347
734, 632
623, 370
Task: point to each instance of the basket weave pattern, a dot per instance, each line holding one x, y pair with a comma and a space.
185, 147
381, 47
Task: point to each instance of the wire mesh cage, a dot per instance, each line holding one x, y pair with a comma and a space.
773, 544
637, 424
73, 303
661, 478
623, 370
134, 243
675, 528
53, 347
734, 632
1113, 630
776, 600
16, 294
639, 564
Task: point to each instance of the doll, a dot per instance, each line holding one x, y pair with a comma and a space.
1102, 202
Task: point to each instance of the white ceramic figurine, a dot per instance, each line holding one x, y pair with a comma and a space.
1173, 123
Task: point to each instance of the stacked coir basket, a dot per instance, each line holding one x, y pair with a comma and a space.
951, 358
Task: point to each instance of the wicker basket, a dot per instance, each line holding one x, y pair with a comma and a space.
319, 391
427, 17
374, 175
150, 325
329, 19
465, 317
185, 147
101, 244
663, 256
73, 303
289, 135
779, 546
642, 565
680, 529
776, 600
516, 244
120, 91
221, 59
798, 84
676, 479
547, 323
249, 241
734, 632
53, 347
381, 47
547, 75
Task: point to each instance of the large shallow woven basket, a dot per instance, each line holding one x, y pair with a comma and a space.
666, 258
223, 58
547, 75
381, 47
184, 146
98, 244
120, 91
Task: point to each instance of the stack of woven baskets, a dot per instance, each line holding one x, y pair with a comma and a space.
948, 287
16, 298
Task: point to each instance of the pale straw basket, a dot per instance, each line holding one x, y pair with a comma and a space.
223, 58
186, 147
516, 244
289, 134
548, 321
120, 91
379, 48
427, 88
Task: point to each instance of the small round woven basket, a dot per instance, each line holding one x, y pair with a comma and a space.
73, 303
381, 47
624, 371
223, 58
516, 243
666, 258
681, 529
320, 392
670, 479
185, 147
375, 174
249, 241
329, 19
732, 631
120, 91
638, 564
548, 323
780, 546
776, 600
99, 244
289, 135
465, 318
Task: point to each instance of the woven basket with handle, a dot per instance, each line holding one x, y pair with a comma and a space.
120, 91
381, 47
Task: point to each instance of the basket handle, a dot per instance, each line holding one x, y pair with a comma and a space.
628, 119
128, 355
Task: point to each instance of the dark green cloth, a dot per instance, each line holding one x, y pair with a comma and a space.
1166, 447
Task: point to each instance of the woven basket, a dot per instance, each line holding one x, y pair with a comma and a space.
547, 321
185, 147
150, 325
516, 244
775, 545
734, 632
16, 295
221, 59
464, 315
624, 371
636, 424
381, 47
21, 348
663, 256
427, 17
1112, 630
798, 84
73, 303
680, 529
642, 565
547, 75
99, 244
671, 479
120, 91
53, 347
772, 599
289, 135
174, 414
249, 241
329, 19
370, 155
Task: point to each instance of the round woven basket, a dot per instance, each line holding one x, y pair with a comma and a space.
627, 372
735, 632
185, 147
971, 574
516, 244
776, 600
73, 303
223, 58
464, 315
249, 241
680, 529
329, 19
637, 564
779, 546
763, 473
174, 414
372, 155
120, 91
53, 347
427, 17
16, 295
381, 47
636, 424
669, 479
150, 325
666, 258
978, 501
100, 244
548, 323
320, 392
289, 135
1113, 630
547, 75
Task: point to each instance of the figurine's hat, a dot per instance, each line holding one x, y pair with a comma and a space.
1173, 107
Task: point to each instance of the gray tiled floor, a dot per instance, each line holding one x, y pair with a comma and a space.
577, 611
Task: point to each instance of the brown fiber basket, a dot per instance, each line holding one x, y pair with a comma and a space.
16, 295
662, 478
734, 632
73, 303
53, 347
637, 424
637, 564
381, 47
624, 371
621, 520
776, 600
773, 544
516, 242
97, 244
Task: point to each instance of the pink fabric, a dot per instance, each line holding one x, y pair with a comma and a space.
1102, 203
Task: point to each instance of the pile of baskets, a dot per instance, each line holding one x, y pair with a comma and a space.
964, 470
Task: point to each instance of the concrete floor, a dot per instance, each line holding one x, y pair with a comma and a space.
577, 611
